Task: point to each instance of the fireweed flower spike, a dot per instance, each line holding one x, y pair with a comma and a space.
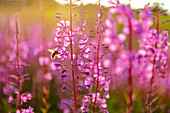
71, 47
101, 82
153, 51
115, 41
20, 98
18, 66
96, 68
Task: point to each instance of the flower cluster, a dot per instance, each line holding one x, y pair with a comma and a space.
29, 110
116, 39
62, 40
104, 83
24, 98
80, 53
153, 46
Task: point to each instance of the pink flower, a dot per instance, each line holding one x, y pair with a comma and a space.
48, 76
106, 62
102, 103
94, 95
10, 99
88, 82
44, 61
122, 37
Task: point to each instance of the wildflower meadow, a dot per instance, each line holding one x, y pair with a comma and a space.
84, 58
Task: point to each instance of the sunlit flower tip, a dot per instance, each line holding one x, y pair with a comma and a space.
98, 15
48, 76
62, 22
113, 47
59, 25
112, 10
67, 23
106, 62
111, 2
122, 37
10, 99
146, 13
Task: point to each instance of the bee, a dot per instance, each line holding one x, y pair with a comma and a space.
53, 53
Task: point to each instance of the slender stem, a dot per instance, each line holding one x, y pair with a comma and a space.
18, 65
45, 69
130, 85
72, 61
42, 27
98, 50
149, 110
157, 15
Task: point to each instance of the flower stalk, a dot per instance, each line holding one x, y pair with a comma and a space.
149, 110
18, 67
97, 55
72, 60
130, 85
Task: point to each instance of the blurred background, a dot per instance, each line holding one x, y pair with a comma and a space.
31, 13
